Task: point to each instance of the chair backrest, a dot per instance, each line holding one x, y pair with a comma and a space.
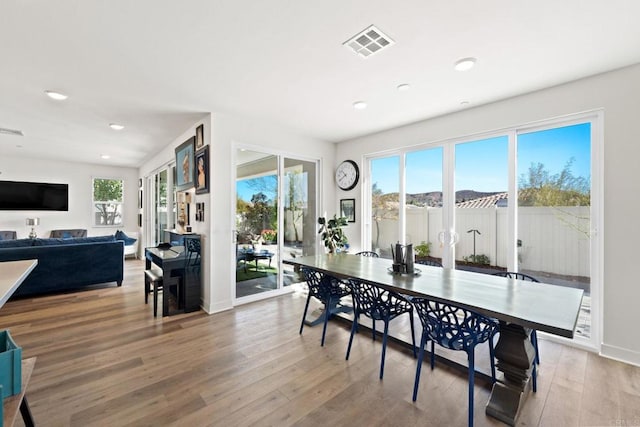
377, 302
452, 326
66, 234
430, 262
368, 253
8, 235
323, 286
192, 246
514, 275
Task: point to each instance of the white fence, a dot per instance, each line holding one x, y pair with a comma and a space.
553, 239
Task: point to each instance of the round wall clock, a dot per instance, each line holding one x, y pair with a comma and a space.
347, 175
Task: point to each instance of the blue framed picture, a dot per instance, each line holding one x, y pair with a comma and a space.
185, 165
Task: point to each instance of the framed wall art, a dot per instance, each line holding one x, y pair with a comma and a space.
202, 171
348, 209
185, 165
199, 137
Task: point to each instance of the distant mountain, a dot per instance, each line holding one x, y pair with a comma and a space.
434, 198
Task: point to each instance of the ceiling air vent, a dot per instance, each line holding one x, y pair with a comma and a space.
368, 41
11, 132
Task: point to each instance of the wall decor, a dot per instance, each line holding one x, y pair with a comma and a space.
199, 137
139, 220
140, 183
348, 209
185, 169
202, 171
140, 199
200, 211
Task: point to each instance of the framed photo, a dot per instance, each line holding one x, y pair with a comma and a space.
185, 165
140, 199
199, 137
140, 183
348, 209
202, 170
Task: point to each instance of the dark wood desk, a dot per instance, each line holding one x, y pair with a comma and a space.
548, 308
179, 271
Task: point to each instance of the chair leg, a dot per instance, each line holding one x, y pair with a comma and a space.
304, 315
470, 356
433, 354
354, 329
384, 346
534, 378
147, 289
419, 366
155, 300
373, 329
534, 341
326, 320
492, 359
413, 335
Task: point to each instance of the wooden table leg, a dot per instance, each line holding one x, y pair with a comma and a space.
515, 355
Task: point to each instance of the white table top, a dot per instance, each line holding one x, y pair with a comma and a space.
12, 274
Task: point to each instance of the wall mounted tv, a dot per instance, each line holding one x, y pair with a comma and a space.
33, 196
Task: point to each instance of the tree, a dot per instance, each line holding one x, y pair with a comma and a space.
296, 202
107, 197
539, 188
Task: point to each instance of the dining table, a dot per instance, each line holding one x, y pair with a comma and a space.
519, 306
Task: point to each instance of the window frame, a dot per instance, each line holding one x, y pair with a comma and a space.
120, 203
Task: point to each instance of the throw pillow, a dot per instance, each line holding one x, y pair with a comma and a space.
128, 241
66, 235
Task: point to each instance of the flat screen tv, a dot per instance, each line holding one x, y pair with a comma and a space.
33, 196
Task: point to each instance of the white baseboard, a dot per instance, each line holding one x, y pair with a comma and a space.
620, 354
217, 308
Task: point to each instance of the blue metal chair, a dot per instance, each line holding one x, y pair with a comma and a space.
368, 253
327, 289
429, 262
527, 278
454, 328
378, 303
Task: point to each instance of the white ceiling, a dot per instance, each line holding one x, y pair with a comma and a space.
157, 66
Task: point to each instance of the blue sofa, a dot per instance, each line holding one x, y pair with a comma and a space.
66, 264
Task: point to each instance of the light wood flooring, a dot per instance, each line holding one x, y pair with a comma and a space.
103, 360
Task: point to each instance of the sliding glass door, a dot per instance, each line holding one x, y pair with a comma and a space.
521, 200
275, 216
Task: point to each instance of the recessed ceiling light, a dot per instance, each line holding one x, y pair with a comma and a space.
105, 156
116, 126
403, 87
463, 103
56, 95
464, 64
359, 105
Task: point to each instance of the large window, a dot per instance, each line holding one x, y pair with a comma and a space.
107, 201
524, 199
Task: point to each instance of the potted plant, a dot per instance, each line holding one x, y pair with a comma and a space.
332, 234
269, 236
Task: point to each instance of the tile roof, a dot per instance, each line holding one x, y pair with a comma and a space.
484, 202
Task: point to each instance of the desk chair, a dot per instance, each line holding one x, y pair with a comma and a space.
378, 303
454, 328
327, 289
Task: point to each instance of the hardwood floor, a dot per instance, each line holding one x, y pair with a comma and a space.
103, 360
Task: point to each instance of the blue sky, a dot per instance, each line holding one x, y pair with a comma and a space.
482, 165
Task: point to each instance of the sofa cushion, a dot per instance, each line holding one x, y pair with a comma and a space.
128, 241
18, 243
73, 240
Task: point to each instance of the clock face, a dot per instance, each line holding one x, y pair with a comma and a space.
347, 175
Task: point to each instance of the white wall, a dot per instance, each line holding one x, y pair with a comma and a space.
617, 93
79, 177
224, 133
